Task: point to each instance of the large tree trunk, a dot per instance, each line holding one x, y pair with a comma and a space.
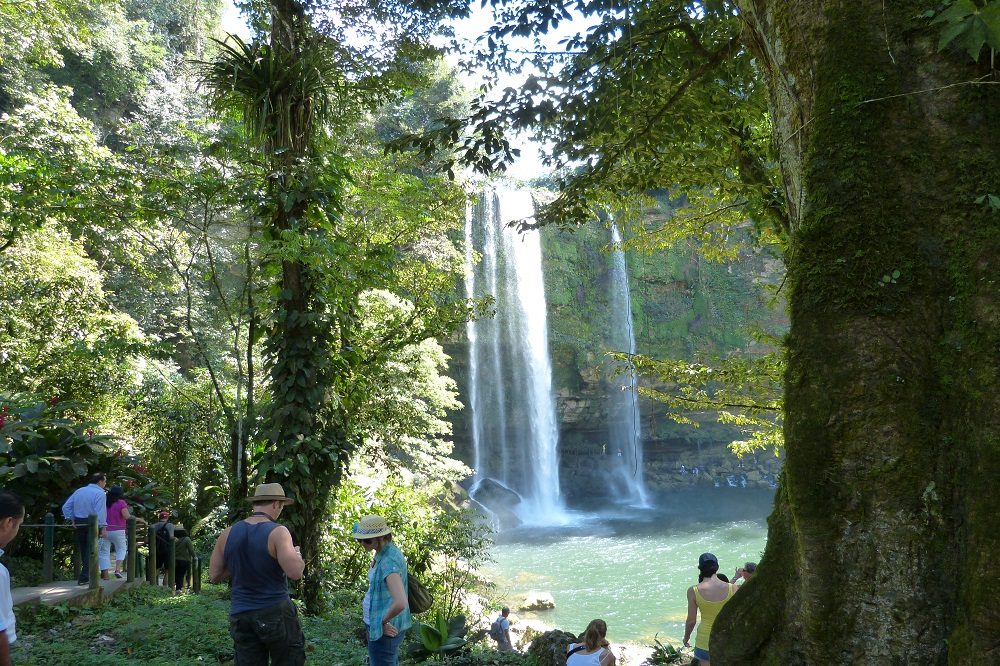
881, 548
300, 346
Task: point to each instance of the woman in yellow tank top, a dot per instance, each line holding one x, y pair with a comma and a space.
708, 596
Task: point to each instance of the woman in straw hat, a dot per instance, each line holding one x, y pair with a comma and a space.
385, 608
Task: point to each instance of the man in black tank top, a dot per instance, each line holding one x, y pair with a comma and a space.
257, 556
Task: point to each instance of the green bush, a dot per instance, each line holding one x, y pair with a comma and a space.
428, 525
489, 657
26, 571
46, 453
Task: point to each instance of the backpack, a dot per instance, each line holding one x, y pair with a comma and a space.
417, 596
162, 540
496, 630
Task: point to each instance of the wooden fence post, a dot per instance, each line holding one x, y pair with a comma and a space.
171, 564
131, 546
196, 574
48, 548
152, 575
95, 562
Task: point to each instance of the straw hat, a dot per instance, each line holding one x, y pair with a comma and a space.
267, 492
370, 527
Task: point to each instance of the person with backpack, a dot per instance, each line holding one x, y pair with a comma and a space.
500, 631
163, 530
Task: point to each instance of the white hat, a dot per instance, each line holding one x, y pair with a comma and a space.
370, 527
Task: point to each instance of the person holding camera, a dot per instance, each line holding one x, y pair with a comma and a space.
745, 573
257, 555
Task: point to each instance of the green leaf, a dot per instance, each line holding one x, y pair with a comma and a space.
990, 16
956, 12
430, 637
950, 33
974, 38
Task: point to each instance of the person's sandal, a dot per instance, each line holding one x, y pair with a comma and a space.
119, 574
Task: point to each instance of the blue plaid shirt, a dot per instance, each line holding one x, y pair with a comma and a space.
389, 560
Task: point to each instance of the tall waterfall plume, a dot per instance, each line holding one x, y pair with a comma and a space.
514, 430
624, 428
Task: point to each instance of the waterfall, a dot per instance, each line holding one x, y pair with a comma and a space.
624, 430
514, 430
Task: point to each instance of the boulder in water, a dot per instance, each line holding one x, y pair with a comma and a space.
538, 601
498, 500
525, 631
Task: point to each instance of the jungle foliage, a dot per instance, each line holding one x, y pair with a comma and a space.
830, 122
210, 267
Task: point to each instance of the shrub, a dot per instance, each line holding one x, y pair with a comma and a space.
443, 543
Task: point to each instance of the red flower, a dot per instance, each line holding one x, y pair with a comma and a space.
90, 432
53, 400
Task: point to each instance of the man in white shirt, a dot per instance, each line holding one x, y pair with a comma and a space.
11, 517
83, 502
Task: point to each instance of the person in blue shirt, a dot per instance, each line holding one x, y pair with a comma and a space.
83, 502
385, 609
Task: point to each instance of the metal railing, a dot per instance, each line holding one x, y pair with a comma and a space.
134, 560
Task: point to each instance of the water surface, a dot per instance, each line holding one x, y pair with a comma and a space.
631, 567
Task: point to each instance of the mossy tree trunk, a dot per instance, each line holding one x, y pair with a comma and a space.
307, 451
882, 546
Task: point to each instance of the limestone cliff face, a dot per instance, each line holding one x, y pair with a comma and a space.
683, 307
